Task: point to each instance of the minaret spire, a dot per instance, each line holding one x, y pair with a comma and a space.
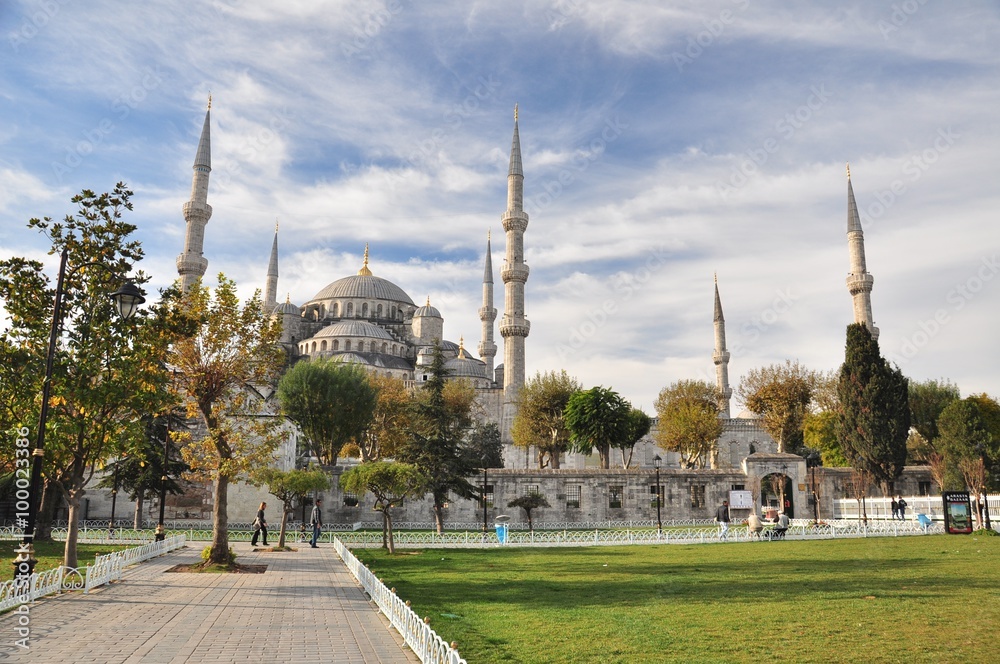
859, 281
488, 314
191, 264
271, 288
721, 355
514, 327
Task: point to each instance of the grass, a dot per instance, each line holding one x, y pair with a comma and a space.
885, 599
50, 555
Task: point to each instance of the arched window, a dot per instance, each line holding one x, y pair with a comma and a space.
384, 346
378, 311
373, 347
364, 310
393, 314
322, 311
322, 345
336, 344
347, 345
350, 309
394, 349
335, 310
314, 347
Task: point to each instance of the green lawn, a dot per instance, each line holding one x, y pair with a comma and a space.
50, 555
886, 599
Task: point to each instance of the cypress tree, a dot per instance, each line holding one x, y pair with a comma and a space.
874, 417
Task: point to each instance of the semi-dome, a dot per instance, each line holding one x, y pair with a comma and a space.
354, 328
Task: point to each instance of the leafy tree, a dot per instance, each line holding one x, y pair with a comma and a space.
963, 439
332, 403
528, 503
780, 394
819, 432
291, 486
440, 420
597, 419
105, 372
638, 425
231, 349
927, 399
539, 421
874, 416
390, 419
689, 420
482, 448
390, 483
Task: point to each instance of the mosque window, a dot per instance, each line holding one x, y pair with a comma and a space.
347, 345
322, 346
615, 496
322, 311
698, 495
364, 310
378, 311
573, 495
335, 310
336, 344
394, 349
373, 348
393, 311
350, 310
384, 346
314, 347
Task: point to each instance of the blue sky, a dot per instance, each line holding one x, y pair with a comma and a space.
663, 142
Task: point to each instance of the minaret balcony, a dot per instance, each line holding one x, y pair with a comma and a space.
487, 314
515, 220
487, 350
198, 210
510, 327
192, 264
860, 283
517, 273
721, 358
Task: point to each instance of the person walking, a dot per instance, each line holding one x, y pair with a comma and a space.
259, 525
722, 518
895, 509
317, 521
901, 506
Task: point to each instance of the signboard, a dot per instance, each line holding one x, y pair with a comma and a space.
741, 500
957, 512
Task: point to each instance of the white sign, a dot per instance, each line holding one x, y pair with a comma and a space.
741, 500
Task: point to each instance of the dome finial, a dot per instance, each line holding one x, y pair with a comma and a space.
515, 112
210, 100
848, 170
364, 271
428, 301
461, 347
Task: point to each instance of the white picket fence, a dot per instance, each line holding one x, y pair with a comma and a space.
417, 633
881, 508
105, 569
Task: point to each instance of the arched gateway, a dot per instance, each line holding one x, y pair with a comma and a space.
760, 466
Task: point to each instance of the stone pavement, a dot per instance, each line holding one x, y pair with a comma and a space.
307, 607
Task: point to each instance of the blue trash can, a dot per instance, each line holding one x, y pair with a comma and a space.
502, 532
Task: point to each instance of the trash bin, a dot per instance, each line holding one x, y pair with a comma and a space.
501, 526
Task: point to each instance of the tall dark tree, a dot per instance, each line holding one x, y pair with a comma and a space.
874, 416
597, 419
482, 447
435, 443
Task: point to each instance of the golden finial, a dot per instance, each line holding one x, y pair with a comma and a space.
461, 347
288, 298
364, 271
275, 225
848, 170
515, 111
210, 100
428, 301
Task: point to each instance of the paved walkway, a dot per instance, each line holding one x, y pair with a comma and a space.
306, 607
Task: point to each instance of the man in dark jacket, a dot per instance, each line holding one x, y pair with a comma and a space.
317, 521
722, 518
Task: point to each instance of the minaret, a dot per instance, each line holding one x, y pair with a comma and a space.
191, 264
721, 355
859, 282
514, 326
488, 314
271, 289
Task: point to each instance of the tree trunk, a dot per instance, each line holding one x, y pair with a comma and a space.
387, 524
531, 527
72, 531
285, 509
554, 459
605, 453
220, 523
438, 517
137, 519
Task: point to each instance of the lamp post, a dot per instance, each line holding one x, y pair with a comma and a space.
812, 461
114, 499
161, 531
127, 300
484, 496
659, 522
986, 495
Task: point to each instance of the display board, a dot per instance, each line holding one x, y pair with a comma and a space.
957, 512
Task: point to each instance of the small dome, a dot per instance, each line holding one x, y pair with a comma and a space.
427, 311
354, 328
287, 308
465, 367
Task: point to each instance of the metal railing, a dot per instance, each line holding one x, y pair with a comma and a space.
105, 569
417, 633
881, 508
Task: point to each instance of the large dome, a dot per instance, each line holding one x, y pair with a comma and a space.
362, 286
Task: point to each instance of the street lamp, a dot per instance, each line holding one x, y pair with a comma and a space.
986, 495
127, 300
114, 499
812, 461
161, 531
659, 522
484, 495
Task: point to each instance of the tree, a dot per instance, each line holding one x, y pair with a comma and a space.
528, 503
390, 483
230, 350
105, 372
637, 426
331, 402
482, 448
689, 420
965, 440
291, 486
874, 416
597, 419
539, 421
780, 394
390, 419
927, 399
819, 432
440, 420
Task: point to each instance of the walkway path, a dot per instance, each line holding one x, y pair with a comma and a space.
306, 607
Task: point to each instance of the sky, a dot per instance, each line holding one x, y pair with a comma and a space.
663, 143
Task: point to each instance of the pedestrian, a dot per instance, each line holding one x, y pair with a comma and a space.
259, 525
895, 509
901, 504
722, 518
317, 521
